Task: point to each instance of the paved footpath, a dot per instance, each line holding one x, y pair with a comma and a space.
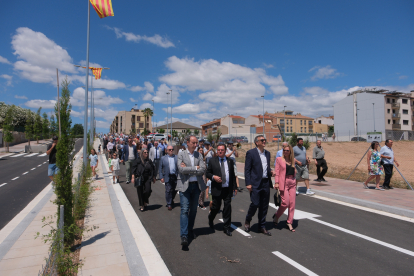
20, 147
396, 201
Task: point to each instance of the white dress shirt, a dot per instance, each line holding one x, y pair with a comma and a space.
192, 178
226, 168
264, 162
171, 162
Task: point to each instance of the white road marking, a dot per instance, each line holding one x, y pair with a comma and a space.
25, 173
402, 250
33, 169
3, 184
298, 214
365, 209
295, 264
44, 162
17, 155
15, 178
44, 154
244, 233
6, 155
39, 165
33, 154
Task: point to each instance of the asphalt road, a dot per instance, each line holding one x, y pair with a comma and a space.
30, 178
321, 249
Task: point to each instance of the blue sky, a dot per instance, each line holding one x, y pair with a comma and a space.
218, 57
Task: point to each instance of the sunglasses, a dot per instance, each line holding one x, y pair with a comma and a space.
170, 149
145, 152
263, 140
286, 150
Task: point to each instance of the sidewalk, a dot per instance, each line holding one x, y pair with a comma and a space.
396, 201
20, 147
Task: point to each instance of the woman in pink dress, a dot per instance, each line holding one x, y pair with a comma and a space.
285, 181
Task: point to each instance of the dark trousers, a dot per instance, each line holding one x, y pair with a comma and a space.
170, 189
388, 174
144, 191
157, 165
225, 196
321, 163
259, 198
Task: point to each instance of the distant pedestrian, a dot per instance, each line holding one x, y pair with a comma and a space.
232, 153
302, 171
144, 168
110, 147
202, 193
280, 152
115, 168
93, 157
388, 158
285, 182
51, 151
333, 136
375, 170
323, 137
99, 149
168, 173
258, 180
319, 158
155, 156
129, 153
208, 152
192, 169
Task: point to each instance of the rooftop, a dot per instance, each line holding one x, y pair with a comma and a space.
177, 125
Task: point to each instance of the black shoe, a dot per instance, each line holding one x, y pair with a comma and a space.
318, 180
264, 231
128, 182
210, 222
192, 235
385, 187
247, 226
227, 232
389, 187
323, 179
184, 241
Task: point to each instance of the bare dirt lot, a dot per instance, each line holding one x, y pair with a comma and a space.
342, 157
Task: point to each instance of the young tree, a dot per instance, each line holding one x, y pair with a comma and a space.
8, 126
161, 130
174, 133
29, 127
196, 132
293, 139
54, 128
188, 131
210, 137
45, 126
147, 113
77, 129
63, 185
37, 125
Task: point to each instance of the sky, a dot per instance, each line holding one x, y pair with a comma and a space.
217, 57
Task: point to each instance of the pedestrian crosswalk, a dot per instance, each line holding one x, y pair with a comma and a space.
27, 155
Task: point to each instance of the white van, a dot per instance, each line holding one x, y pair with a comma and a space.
159, 136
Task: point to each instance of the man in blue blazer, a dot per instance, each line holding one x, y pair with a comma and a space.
168, 174
258, 177
129, 153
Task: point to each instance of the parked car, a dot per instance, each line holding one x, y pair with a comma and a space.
358, 139
150, 136
277, 137
159, 136
227, 139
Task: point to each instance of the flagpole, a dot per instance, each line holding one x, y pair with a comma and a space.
85, 123
91, 118
58, 105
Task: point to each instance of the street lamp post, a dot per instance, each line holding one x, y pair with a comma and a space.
171, 118
168, 93
153, 111
373, 111
263, 117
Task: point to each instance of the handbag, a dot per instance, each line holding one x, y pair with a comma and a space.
277, 199
138, 181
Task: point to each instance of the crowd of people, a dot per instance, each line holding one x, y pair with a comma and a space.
198, 172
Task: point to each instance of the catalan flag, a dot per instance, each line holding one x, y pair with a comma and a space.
96, 72
103, 7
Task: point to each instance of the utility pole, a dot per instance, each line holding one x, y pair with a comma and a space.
263, 118
171, 118
153, 111
58, 105
168, 93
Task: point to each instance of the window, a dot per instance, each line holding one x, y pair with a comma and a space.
405, 111
388, 111
404, 101
388, 100
393, 100
305, 129
301, 129
290, 128
287, 122
393, 122
141, 125
405, 122
290, 121
389, 121
300, 122
138, 118
320, 122
393, 111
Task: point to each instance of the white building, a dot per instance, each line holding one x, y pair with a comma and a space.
369, 110
325, 120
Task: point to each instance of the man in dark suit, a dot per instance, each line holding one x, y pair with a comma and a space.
129, 153
258, 175
221, 171
168, 175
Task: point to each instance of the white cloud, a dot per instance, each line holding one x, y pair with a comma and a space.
188, 108
326, 72
100, 97
402, 77
39, 56
315, 90
132, 100
4, 60
156, 39
145, 105
161, 95
268, 65
8, 78
46, 104
20, 97
147, 87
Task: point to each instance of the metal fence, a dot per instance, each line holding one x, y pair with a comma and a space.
50, 268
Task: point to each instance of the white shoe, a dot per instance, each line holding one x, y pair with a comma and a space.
113, 182
297, 192
309, 192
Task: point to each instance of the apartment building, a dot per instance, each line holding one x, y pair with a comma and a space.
228, 125
369, 110
132, 121
290, 122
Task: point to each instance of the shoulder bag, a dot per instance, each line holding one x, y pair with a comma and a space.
277, 198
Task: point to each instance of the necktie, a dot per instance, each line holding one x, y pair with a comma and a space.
223, 172
156, 153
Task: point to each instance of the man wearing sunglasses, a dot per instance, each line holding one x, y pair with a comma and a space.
168, 174
192, 168
258, 177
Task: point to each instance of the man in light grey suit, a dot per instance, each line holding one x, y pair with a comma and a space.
192, 168
168, 175
155, 156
